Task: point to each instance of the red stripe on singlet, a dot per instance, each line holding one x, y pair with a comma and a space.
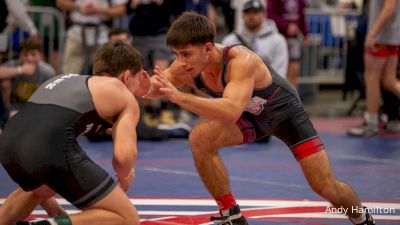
307, 148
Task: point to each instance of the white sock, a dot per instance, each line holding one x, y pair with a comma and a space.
360, 219
371, 118
52, 221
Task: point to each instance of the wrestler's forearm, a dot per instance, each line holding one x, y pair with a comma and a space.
222, 109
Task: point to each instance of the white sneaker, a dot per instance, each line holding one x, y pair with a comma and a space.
366, 130
393, 126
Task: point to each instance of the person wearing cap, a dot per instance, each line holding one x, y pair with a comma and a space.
261, 35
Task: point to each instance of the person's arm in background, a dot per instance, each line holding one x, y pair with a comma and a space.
10, 72
110, 12
387, 12
274, 11
67, 5
303, 23
22, 19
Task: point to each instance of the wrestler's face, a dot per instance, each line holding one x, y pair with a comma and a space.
193, 58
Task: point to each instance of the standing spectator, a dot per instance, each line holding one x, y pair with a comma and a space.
261, 35
224, 6
290, 19
149, 22
15, 15
17, 90
380, 60
89, 29
51, 33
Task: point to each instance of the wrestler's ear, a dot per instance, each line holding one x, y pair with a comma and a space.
208, 47
125, 76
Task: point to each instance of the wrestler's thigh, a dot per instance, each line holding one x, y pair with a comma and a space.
216, 133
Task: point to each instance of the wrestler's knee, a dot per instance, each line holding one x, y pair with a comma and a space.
199, 137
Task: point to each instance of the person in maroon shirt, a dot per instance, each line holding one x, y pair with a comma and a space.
289, 17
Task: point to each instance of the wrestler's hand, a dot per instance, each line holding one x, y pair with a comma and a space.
53, 208
126, 182
165, 86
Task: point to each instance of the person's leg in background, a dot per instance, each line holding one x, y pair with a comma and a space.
74, 57
380, 69
391, 108
392, 95
294, 47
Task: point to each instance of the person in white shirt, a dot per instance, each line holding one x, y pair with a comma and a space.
89, 29
261, 35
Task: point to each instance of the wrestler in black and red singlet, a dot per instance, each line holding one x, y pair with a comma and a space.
273, 110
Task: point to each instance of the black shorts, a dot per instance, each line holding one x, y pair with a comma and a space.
34, 152
284, 117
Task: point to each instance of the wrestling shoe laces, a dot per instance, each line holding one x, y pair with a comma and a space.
369, 220
230, 217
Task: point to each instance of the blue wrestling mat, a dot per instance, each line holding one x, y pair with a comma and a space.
265, 178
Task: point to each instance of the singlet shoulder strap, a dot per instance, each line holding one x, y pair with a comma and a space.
225, 61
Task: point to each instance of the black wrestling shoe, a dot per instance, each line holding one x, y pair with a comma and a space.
231, 217
42, 222
369, 220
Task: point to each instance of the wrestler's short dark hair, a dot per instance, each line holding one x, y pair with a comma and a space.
190, 28
115, 57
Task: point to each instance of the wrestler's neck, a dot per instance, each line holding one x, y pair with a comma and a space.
214, 62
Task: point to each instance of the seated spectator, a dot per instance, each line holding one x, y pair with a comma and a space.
18, 89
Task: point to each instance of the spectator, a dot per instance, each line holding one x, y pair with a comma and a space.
380, 60
228, 13
17, 16
261, 36
18, 89
50, 34
148, 33
9, 72
11, 12
88, 31
289, 17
